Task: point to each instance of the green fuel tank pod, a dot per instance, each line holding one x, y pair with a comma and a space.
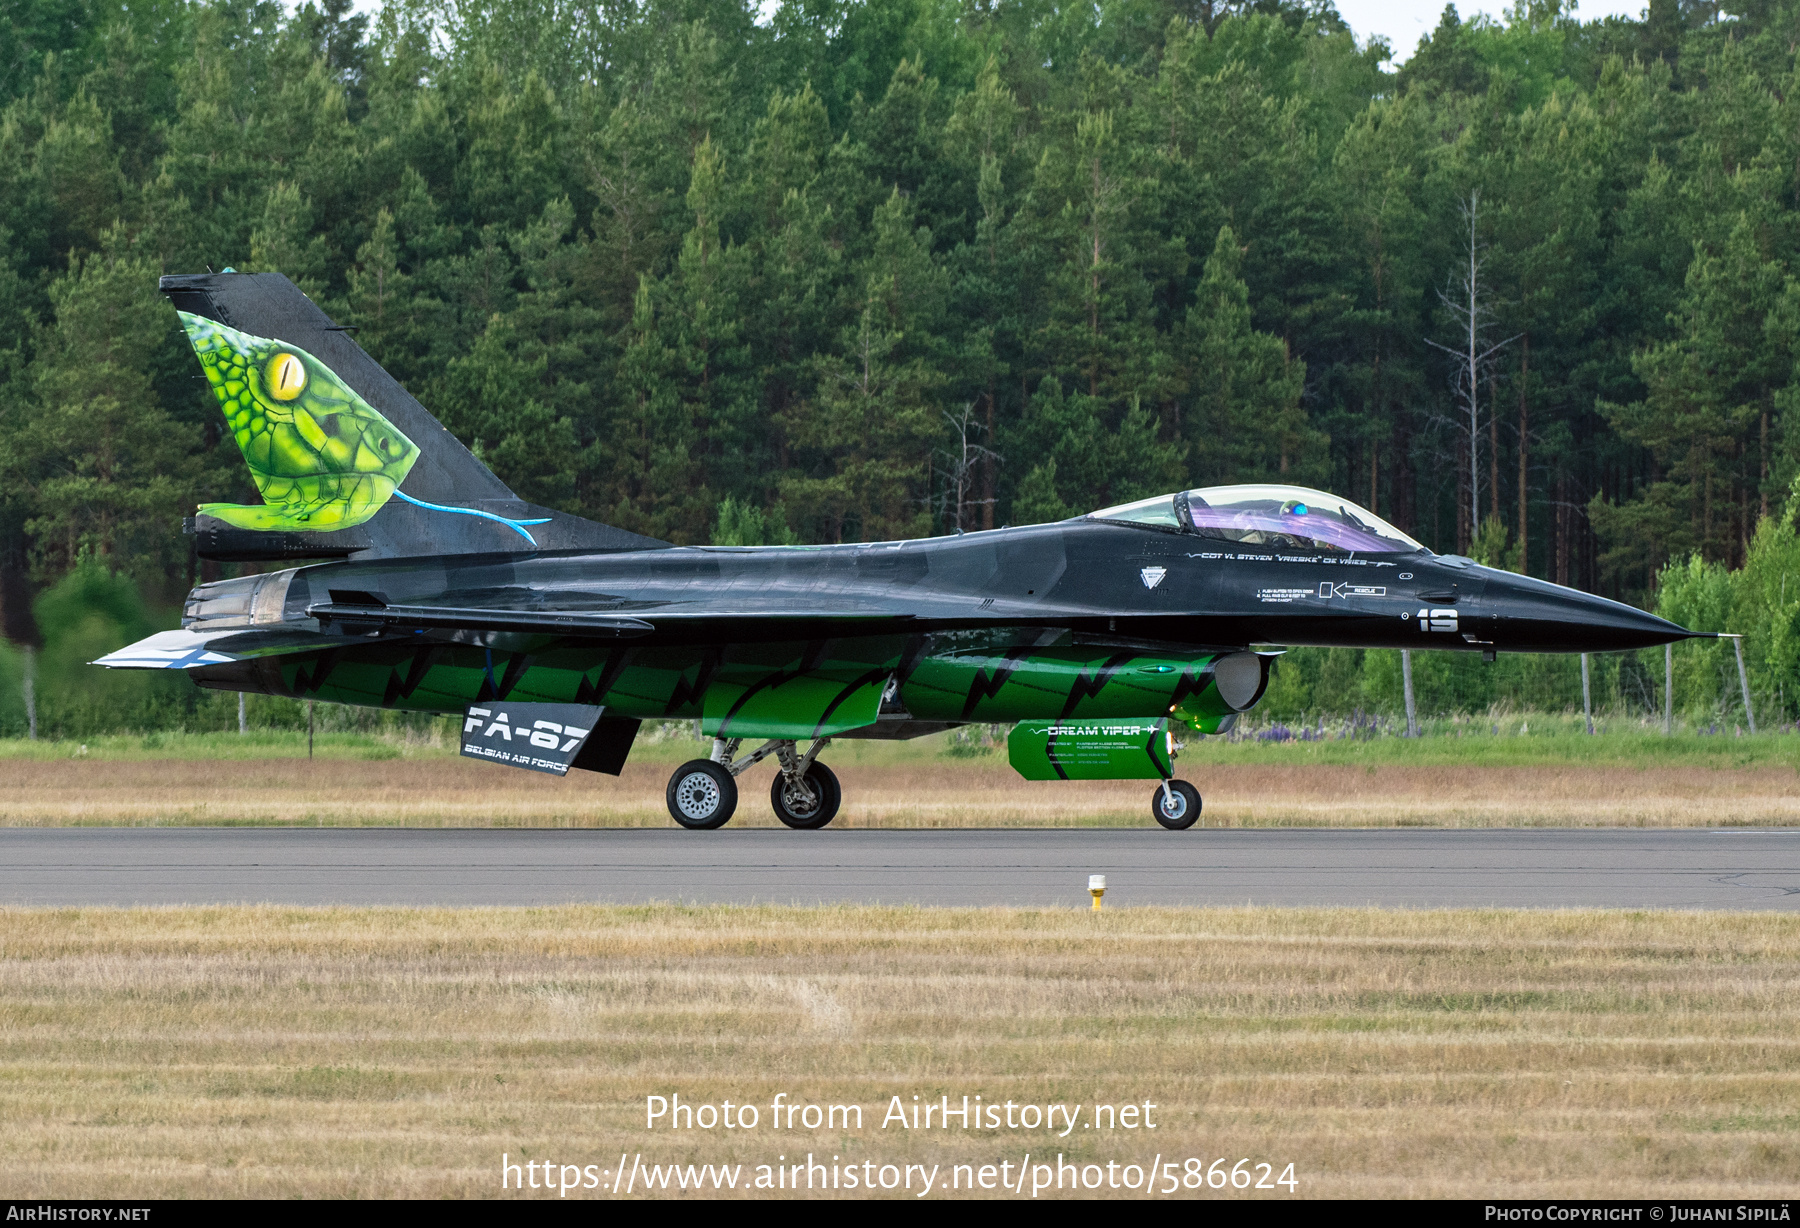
1082, 682
1092, 750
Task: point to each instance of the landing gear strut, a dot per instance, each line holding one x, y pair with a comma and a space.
804, 798
703, 793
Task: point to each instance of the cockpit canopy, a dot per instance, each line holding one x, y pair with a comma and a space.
1291, 517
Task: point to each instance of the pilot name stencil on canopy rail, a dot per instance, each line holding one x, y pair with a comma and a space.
421, 583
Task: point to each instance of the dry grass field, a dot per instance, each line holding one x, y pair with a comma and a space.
921, 791
277, 1052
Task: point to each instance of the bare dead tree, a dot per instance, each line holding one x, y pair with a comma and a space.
1467, 300
959, 472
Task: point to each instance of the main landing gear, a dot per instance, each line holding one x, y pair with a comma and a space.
1176, 804
703, 793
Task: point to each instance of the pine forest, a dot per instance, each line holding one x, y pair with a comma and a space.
840, 271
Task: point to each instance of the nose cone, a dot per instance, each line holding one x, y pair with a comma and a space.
1527, 615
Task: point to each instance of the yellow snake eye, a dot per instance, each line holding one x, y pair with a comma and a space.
287, 377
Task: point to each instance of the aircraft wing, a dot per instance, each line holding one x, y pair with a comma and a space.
345, 623
408, 617
370, 613
187, 649
814, 698
166, 650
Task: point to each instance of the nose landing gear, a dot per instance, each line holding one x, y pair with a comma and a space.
1176, 804
703, 793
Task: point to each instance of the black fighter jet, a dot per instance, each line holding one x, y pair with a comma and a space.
424, 584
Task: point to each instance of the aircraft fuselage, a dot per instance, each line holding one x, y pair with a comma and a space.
1081, 618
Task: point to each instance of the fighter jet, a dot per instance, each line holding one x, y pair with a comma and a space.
1108, 640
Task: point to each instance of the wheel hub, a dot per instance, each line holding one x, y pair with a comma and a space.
800, 800
697, 795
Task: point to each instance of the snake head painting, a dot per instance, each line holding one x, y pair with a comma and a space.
321, 456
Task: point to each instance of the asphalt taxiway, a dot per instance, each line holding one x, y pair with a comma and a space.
1635, 868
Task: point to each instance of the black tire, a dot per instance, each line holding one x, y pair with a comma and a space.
702, 795
792, 811
1186, 810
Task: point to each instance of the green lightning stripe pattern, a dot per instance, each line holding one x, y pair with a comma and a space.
765, 690
321, 457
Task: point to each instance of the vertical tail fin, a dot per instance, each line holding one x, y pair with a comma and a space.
347, 461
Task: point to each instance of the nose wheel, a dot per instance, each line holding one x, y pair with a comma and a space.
1175, 804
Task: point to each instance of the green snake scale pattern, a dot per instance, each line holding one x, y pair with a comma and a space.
321, 457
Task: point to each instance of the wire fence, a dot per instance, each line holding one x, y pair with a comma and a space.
1699, 685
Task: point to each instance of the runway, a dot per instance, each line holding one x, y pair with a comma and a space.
1688, 868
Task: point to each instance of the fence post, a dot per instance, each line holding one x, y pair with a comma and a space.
1587, 701
31, 692
1737, 646
1668, 689
1412, 716
309, 728
243, 723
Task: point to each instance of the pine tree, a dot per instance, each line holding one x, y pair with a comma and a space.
795, 269
1380, 375
516, 396
284, 241
1245, 421
982, 137
108, 470
1707, 390
867, 434
657, 485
